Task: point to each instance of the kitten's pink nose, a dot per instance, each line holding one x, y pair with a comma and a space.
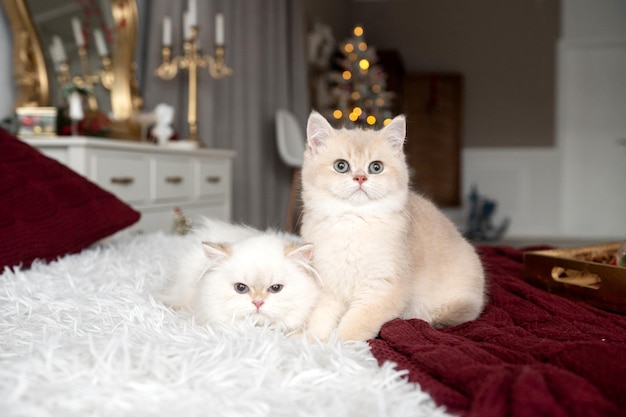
360, 178
258, 303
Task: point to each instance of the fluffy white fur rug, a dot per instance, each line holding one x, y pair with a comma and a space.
83, 336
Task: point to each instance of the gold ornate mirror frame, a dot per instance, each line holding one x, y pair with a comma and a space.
32, 79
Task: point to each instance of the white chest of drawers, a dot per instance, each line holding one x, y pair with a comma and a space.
152, 179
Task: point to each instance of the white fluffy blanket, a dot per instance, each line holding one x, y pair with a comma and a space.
83, 336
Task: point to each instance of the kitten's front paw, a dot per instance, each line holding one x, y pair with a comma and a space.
316, 338
318, 334
356, 332
295, 334
352, 336
323, 320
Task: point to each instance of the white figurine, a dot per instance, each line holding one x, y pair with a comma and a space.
163, 116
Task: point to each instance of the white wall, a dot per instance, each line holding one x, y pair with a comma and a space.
523, 181
591, 118
597, 19
575, 190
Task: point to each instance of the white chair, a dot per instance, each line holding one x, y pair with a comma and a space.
291, 141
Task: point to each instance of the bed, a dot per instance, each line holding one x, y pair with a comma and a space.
531, 353
81, 332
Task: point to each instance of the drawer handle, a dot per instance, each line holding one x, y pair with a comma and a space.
213, 179
174, 180
122, 180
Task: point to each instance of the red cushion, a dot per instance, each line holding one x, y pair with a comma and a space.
47, 210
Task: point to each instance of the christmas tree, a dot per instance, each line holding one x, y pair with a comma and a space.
357, 93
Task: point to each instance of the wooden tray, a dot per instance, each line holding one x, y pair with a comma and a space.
567, 272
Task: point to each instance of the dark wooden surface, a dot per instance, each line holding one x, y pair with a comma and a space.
432, 103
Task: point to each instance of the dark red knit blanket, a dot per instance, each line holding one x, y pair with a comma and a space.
531, 353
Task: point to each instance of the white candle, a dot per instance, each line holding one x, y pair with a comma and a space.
186, 26
167, 31
76, 107
53, 54
78, 32
59, 49
219, 29
101, 45
192, 9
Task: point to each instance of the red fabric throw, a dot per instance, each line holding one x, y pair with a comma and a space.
47, 210
531, 353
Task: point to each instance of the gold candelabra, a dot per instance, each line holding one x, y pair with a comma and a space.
191, 60
87, 80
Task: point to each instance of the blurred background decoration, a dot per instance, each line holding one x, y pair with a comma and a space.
352, 89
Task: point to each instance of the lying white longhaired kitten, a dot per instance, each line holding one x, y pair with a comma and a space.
231, 272
381, 250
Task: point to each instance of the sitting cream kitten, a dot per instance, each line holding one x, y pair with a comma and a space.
232, 272
382, 251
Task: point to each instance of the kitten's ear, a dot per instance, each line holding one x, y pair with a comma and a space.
300, 252
318, 130
216, 251
302, 255
395, 132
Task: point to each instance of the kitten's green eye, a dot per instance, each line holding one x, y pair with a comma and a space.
275, 288
341, 166
241, 288
376, 167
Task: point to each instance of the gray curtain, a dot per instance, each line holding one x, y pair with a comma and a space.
265, 46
